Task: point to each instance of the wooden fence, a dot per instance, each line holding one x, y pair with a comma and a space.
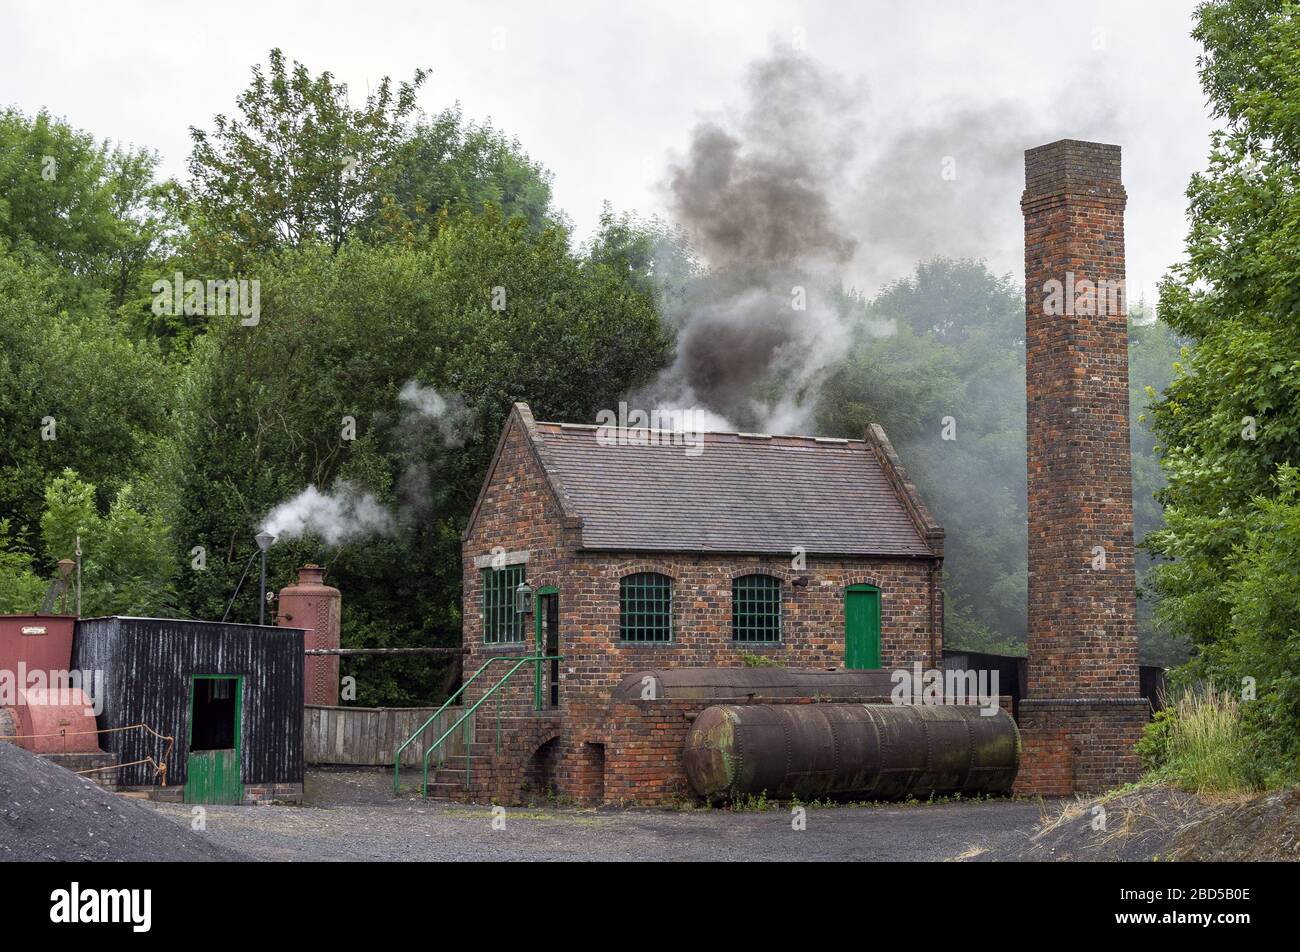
369, 736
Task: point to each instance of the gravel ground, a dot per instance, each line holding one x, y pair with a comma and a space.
352, 815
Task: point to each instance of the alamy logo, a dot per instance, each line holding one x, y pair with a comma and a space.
951, 686
632, 427
1082, 297
75, 905
229, 297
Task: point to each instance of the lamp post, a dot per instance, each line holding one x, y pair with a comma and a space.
264, 540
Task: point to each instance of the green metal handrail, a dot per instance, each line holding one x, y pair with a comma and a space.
421, 728
397, 758
424, 787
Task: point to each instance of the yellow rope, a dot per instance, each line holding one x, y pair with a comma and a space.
158, 768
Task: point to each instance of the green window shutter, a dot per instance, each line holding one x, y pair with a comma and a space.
646, 607
756, 608
501, 623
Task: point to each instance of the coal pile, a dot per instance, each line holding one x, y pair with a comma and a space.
49, 813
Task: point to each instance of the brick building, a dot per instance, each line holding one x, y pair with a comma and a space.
646, 554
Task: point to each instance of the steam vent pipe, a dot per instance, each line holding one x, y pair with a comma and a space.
875, 751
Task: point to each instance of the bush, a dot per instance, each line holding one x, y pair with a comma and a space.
1199, 744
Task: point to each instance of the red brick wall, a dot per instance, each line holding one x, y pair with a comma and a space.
1088, 743
1046, 762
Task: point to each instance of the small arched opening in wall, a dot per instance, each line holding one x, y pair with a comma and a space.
539, 772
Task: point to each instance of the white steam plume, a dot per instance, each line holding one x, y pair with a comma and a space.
344, 513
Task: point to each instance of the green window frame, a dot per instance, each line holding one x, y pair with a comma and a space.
645, 607
501, 623
756, 608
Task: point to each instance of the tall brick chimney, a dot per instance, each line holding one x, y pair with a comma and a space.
1083, 711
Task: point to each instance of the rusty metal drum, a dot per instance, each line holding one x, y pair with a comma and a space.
868, 751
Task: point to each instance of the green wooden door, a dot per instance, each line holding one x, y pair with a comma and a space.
862, 627
212, 772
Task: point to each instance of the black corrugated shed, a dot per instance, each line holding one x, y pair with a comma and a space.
148, 664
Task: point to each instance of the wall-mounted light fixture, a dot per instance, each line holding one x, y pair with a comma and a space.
524, 599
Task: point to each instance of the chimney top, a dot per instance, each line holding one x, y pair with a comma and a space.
1071, 165
311, 574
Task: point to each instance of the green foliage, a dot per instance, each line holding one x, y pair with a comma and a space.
1199, 744
298, 165
127, 560
21, 590
944, 344
1229, 423
106, 394
1262, 584
340, 335
452, 164
92, 210
1153, 747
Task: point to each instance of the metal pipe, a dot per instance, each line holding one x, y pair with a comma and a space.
386, 651
261, 599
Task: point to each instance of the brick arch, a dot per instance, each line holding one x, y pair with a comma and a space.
514, 776
862, 580
785, 575
633, 568
545, 580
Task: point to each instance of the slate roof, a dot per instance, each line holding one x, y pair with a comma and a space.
740, 494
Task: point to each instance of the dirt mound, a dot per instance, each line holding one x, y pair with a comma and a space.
1262, 828
1161, 823
49, 813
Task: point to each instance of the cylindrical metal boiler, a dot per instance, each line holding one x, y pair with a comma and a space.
871, 751
312, 605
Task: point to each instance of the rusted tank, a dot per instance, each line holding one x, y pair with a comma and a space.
35, 643
869, 751
316, 607
58, 720
725, 684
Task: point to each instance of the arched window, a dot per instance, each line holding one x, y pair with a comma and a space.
646, 607
756, 608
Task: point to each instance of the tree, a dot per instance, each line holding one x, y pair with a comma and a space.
1230, 419
299, 164
451, 164
75, 392
21, 589
938, 360
484, 310
91, 209
127, 560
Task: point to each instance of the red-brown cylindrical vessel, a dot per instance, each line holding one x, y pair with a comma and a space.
317, 608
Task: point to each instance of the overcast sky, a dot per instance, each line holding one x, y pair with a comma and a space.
605, 94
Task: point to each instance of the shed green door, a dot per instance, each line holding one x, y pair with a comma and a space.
212, 763
861, 627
